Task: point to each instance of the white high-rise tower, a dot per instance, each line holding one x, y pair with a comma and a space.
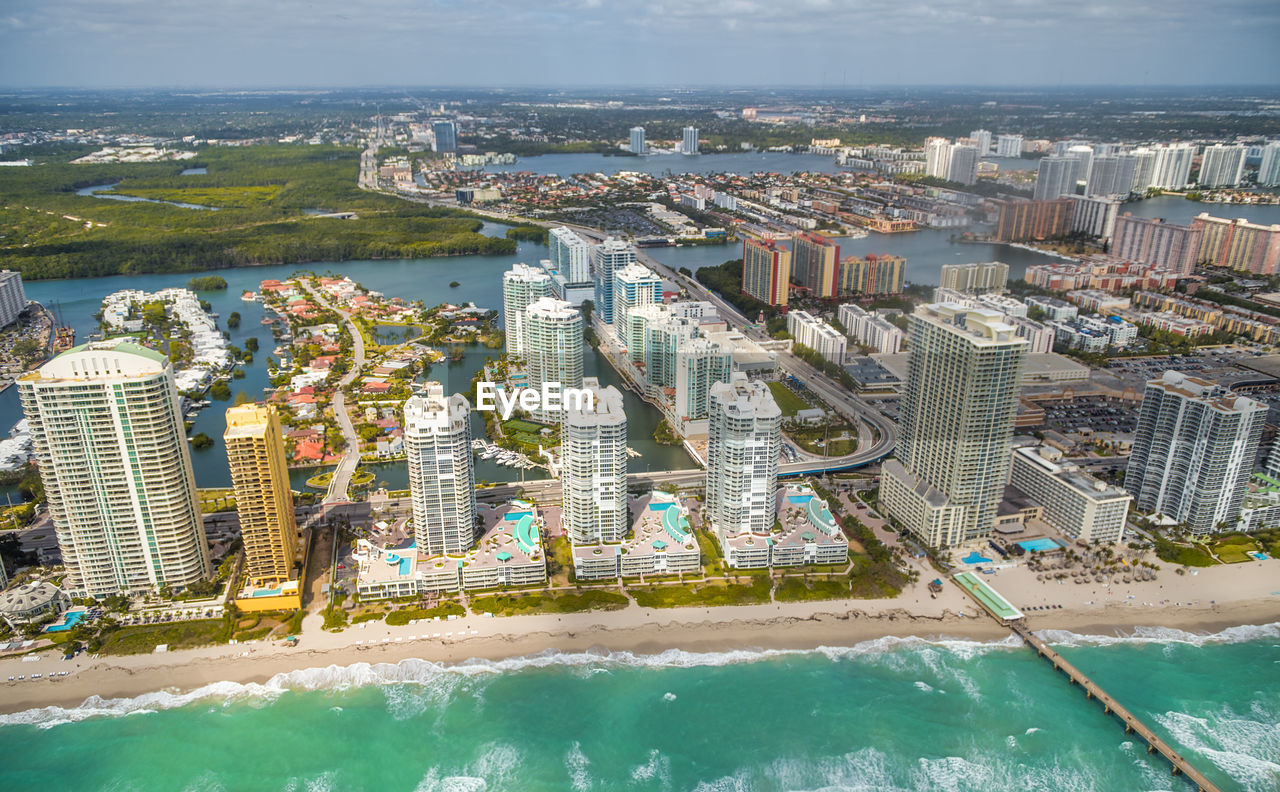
522, 286
112, 452
553, 348
593, 470
437, 444
955, 421
744, 439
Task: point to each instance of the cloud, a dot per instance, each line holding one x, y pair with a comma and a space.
345, 42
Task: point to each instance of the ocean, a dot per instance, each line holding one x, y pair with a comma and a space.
889, 714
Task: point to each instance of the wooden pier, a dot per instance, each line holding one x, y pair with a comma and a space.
1132, 725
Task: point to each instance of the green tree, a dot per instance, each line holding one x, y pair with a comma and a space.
233, 320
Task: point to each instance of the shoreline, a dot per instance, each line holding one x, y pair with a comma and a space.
802, 627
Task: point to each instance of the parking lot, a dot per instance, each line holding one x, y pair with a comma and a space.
1101, 414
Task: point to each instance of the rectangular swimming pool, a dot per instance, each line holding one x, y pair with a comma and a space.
1041, 545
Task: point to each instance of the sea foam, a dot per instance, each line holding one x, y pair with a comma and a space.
443, 679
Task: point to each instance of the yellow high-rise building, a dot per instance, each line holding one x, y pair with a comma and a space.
260, 475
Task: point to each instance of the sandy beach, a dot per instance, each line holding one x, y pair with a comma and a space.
1204, 602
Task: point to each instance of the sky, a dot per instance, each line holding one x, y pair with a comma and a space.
659, 43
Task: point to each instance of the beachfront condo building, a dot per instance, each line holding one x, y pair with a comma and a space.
1072, 501
815, 264
522, 285
593, 467
555, 346
637, 140
1269, 168
975, 278
112, 451
1193, 451
437, 445
633, 285
744, 439
264, 501
766, 271
607, 258
955, 422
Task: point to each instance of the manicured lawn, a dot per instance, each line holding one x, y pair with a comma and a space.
518, 604
787, 400
181, 635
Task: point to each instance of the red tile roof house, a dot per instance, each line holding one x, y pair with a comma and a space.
309, 451
376, 387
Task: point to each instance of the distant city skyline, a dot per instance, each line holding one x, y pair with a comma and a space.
233, 43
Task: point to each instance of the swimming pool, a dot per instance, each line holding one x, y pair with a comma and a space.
1258, 556
1041, 545
70, 620
976, 558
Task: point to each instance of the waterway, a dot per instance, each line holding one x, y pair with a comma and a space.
480, 281
1176, 209
96, 191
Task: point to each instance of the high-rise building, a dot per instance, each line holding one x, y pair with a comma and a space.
1221, 166
1095, 216
593, 468
1055, 176
937, 157
1193, 451
766, 271
700, 363
878, 273
1020, 221
962, 165
955, 422
437, 445
815, 264
1143, 169
744, 440
637, 140
1269, 167
981, 140
522, 285
264, 502
606, 259
1009, 146
1083, 155
1171, 167
1104, 175
1074, 502
1150, 240
975, 277
554, 351
689, 141
112, 452
1238, 244
662, 341
633, 285
13, 298
570, 254
815, 333
445, 135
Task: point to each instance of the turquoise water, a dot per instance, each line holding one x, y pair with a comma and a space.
976, 558
1038, 545
71, 619
885, 715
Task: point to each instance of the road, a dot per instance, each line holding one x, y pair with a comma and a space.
351, 457
877, 434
